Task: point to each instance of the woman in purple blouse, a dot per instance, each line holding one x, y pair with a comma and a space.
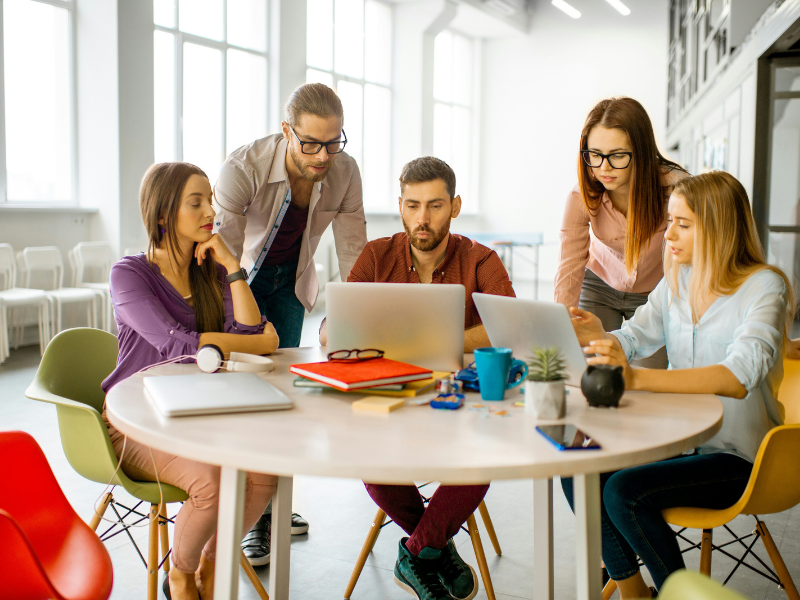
187, 291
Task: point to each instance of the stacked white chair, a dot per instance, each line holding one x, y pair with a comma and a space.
97, 256
12, 297
47, 260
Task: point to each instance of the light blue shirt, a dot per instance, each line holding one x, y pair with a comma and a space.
743, 332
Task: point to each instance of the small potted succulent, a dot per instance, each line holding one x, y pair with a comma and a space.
544, 388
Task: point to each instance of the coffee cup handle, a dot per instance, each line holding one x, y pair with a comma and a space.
524, 374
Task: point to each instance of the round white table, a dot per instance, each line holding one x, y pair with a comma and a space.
323, 436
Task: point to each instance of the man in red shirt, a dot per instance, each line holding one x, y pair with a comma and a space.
427, 252
428, 565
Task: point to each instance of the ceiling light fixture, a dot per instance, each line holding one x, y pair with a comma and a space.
564, 7
623, 10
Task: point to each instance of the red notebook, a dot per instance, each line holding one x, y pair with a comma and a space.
362, 374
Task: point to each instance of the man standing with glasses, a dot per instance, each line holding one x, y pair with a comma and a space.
275, 197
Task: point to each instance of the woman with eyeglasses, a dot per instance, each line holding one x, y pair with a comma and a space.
614, 220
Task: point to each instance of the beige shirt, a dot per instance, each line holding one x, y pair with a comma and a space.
250, 190
597, 242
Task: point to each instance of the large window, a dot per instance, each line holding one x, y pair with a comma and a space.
39, 108
453, 69
210, 79
349, 47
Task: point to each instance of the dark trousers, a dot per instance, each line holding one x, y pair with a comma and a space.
632, 501
273, 289
430, 527
612, 307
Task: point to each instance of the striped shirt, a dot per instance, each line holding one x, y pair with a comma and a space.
476, 267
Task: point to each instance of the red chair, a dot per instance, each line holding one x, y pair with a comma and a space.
46, 550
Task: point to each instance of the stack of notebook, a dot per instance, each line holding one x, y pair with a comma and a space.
379, 376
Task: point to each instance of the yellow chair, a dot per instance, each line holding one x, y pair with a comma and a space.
774, 487
687, 585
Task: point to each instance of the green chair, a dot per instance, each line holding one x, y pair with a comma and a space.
73, 366
688, 585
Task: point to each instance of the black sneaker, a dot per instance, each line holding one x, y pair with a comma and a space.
419, 575
457, 576
256, 543
299, 525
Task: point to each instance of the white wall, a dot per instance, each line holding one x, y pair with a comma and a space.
537, 90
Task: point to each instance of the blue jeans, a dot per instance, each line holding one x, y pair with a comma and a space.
273, 289
632, 500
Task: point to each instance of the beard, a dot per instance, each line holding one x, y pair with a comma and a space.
433, 241
304, 166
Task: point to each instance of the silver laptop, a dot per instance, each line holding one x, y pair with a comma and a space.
418, 324
212, 394
523, 325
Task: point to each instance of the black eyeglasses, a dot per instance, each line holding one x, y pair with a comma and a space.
617, 160
314, 147
354, 355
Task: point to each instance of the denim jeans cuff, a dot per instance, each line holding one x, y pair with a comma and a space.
626, 575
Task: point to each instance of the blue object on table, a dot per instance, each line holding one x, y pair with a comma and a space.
469, 376
494, 368
448, 401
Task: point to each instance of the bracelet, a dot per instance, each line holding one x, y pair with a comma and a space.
236, 275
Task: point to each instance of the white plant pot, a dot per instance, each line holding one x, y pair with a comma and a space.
545, 399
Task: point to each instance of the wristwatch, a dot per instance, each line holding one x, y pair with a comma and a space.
236, 275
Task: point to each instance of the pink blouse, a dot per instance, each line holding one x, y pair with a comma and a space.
601, 248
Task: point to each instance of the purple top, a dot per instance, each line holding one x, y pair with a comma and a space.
155, 322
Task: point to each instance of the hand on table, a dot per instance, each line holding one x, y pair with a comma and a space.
216, 247
609, 352
587, 326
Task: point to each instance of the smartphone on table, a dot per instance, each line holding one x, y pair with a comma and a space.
567, 437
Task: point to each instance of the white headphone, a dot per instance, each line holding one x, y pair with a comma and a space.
210, 360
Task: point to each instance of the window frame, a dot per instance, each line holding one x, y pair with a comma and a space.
363, 81
182, 37
470, 205
72, 94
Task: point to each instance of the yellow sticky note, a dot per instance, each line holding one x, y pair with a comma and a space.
381, 404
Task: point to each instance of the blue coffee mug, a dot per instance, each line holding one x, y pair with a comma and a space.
494, 365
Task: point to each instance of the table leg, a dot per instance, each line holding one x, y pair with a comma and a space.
543, 539
587, 536
281, 540
229, 533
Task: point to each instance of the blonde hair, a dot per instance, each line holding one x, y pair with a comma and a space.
727, 250
312, 99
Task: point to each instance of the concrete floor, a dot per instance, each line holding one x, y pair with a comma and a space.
340, 513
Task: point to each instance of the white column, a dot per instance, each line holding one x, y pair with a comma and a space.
281, 540
229, 533
543, 539
587, 536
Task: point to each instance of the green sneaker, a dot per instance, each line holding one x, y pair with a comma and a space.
457, 576
419, 575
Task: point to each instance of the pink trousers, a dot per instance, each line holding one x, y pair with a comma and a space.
196, 523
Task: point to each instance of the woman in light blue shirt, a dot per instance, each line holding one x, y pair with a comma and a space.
722, 313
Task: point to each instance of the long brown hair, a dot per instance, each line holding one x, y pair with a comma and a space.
726, 246
160, 198
647, 205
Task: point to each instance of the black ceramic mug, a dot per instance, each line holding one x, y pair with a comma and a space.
603, 385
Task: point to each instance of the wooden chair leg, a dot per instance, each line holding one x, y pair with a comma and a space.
609, 589
253, 577
705, 553
100, 511
369, 544
163, 528
487, 522
477, 546
152, 554
777, 561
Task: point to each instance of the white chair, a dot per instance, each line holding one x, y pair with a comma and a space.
47, 259
97, 256
13, 297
